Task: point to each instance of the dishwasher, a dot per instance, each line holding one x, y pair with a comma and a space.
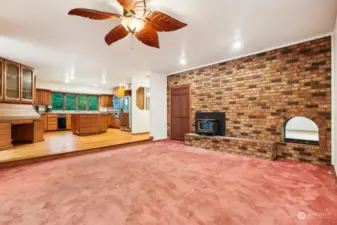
61, 122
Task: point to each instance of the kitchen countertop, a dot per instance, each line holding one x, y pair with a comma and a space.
77, 112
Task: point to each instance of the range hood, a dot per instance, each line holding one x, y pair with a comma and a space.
14, 112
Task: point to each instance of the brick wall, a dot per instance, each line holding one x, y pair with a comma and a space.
241, 146
260, 93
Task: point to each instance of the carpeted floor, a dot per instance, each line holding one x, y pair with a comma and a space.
167, 183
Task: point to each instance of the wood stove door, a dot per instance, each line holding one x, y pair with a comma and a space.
180, 112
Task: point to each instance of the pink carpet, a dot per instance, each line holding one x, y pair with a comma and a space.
167, 183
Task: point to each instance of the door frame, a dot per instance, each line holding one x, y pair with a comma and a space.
170, 104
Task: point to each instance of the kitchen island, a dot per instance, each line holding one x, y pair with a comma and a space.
84, 124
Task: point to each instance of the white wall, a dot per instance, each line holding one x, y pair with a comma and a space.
301, 124
73, 88
140, 118
334, 97
158, 107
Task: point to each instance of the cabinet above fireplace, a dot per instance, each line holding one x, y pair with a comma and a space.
16, 82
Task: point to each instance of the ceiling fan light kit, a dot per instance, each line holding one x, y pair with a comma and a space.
132, 24
136, 19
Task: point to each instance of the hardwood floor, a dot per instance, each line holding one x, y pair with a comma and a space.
64, 142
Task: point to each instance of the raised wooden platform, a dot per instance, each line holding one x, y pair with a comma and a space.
65, 144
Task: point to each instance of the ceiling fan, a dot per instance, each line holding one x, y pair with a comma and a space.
136, 19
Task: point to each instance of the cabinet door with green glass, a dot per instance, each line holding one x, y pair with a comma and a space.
12, 81
1, 79
27, 84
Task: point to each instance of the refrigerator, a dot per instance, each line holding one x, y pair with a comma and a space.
126, 112
115, 106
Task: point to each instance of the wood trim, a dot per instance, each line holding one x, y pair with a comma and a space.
17, 122
2, 78
170, 105
21, 86
62, 155
19, 82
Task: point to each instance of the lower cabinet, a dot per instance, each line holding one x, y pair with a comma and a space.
52, 122
110, 120
115, 123
45, 122
6, 138
68, 125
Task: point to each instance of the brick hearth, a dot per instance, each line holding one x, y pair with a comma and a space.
242, 146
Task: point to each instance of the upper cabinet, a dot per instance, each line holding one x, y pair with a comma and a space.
27, 84
17, 82
116, 91
106, 100
42, 97
140, 98
12, 81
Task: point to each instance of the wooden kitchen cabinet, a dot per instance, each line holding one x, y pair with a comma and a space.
46, 97
52, 122
140, 98
45, 121
12, 81
110, 118
1, 79
43, 97
17, 83
104, 121
68, 123
116, 91
6, 139
106, 100
88, 124
27, 84
37, 98
116, 123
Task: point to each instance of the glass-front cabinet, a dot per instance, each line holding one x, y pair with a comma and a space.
12, 81
27, 84
1, 78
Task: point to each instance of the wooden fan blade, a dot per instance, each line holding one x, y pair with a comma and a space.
162, 22
116, 34
93, 14
126, 4
148, 36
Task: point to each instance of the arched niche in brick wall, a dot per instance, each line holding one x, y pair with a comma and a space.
322, 128
301, 130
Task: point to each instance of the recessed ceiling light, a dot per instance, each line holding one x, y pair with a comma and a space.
183, 61
237, 45
103, 81
72, 73
66, 81
95, 84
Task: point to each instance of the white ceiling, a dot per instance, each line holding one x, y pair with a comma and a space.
39, 33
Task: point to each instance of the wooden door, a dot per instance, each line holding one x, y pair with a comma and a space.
180, 112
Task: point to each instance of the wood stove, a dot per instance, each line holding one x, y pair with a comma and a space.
212, 124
